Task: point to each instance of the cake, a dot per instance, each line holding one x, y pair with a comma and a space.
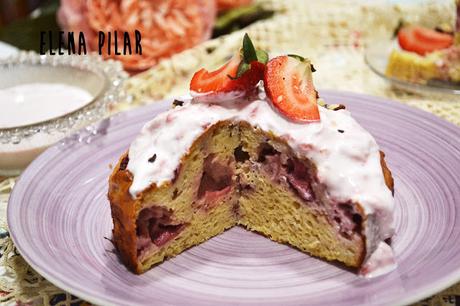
274, 159
426, 54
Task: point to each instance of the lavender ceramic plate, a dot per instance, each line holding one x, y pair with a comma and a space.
59, 215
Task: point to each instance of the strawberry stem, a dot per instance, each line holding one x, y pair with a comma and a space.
262, 56
249, 54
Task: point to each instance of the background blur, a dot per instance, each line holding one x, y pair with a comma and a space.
11, 10
22, 20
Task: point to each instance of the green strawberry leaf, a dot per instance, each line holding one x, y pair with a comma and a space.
242, 68
249, 52
262, 56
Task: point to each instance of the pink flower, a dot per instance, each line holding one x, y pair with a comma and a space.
166, 26
223, 5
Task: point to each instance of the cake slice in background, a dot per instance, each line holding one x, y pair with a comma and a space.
426, 54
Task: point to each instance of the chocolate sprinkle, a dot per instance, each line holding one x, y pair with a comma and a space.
210, 50
335, 107
341, 131
178, 103
153, 158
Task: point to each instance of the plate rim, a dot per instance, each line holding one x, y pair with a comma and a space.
420, 293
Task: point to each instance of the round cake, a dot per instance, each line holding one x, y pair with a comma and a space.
293, 169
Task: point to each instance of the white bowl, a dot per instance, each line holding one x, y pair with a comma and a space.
21, 143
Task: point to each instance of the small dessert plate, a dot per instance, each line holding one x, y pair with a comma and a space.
376, 57
60, 221
45, 98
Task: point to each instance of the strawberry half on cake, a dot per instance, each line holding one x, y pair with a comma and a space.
272, 158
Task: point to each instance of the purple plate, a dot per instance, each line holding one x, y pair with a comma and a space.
58, 215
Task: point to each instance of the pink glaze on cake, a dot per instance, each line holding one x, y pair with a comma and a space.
346, 156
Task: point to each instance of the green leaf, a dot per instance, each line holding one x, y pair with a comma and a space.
262, 56
249, 52
242, 68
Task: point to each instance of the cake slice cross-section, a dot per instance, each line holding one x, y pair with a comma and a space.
207, 165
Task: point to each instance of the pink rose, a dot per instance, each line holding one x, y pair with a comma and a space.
223, 5
166, 26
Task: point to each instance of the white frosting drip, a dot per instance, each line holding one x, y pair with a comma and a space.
380, 262
348, 163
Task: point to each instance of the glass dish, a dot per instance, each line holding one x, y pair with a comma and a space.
20, 144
